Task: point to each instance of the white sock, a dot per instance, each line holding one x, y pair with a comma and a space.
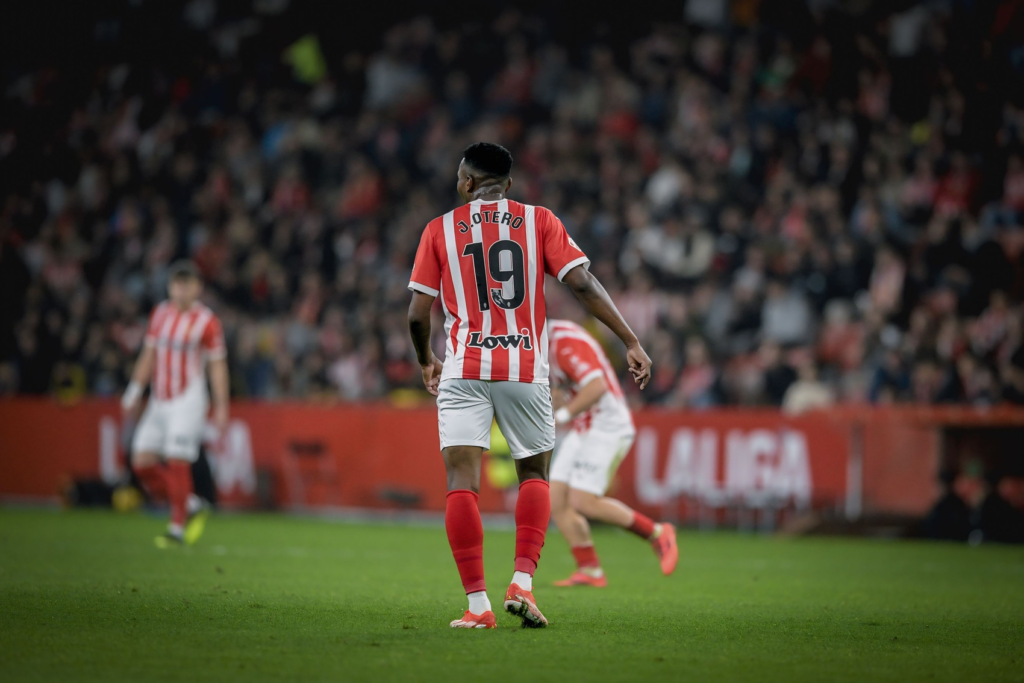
478, 602
657, 532
595, 572
175, 529
523, 580
194, 504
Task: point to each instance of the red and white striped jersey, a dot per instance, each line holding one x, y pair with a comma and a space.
184, 342
487, 261
577, 359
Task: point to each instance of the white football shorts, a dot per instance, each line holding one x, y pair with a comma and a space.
588, 460
466, 407
174, 428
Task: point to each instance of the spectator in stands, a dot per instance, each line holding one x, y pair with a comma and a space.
698, 381
778, 375
750, 195
808, 392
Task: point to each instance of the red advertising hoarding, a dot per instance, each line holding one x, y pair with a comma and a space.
373, 456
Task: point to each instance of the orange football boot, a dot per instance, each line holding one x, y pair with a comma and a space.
579, 578
666, 549
520, 603
470, 620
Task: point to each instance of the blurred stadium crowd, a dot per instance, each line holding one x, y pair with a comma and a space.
800, 207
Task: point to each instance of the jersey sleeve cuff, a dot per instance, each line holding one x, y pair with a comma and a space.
570, 265
417, 287
589, 377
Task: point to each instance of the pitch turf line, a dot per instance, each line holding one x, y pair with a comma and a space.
84, 596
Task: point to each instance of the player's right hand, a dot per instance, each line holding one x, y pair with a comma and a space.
432, 374
639, 365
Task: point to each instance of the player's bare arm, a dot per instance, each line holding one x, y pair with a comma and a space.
419, 329
141, 375
595, 300
585, 399
220, 386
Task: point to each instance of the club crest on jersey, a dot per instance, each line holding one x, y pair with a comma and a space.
516, 341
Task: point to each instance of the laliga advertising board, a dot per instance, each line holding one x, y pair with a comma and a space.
749, 458
754, 459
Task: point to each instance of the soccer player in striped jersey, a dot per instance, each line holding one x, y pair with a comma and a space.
184, 337
583, 467
487, 260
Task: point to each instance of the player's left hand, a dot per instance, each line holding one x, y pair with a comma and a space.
220, 420
639, 365
432, 374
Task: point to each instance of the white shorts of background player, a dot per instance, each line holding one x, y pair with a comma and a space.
174, 428
588, 460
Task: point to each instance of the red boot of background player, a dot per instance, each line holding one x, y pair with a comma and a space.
588, 569
666, 549
579, 578
470, 620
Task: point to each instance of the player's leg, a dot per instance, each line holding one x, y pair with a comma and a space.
197, 511
572, 525
147, 442
527, 420
466, 533
576, 531
464, 423
661, 535
604, 509
186, 420
150, 472
533, 512
179, 485
588, 485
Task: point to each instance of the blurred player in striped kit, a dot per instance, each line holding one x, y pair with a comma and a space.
183, 340
585, 462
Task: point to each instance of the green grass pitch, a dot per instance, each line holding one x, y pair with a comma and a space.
85, 596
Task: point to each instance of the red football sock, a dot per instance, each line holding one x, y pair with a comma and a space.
466, 537
586, 556
642, 526
153, 480
179, 486
533, 510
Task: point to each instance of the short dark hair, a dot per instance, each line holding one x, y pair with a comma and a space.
492, 160
184, 270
